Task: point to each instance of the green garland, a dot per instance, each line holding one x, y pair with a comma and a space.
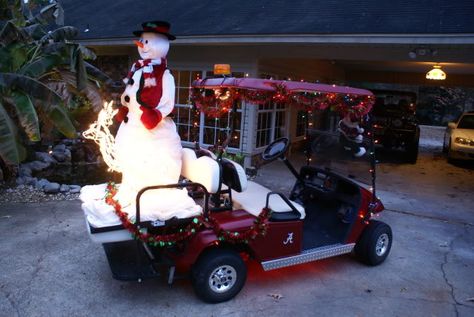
206, 101
259, 228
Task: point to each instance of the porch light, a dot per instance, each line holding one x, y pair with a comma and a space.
222, 69
436, 73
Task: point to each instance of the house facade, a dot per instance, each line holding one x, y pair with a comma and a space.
335, 42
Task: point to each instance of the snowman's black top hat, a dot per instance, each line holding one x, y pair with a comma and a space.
161, 27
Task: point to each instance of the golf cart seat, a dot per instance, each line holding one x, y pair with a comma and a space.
233, 175
254, 199
203, 170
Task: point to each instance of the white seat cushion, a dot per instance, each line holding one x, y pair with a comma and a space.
254, 198
203, 170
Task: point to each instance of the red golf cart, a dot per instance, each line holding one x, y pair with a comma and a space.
328, 212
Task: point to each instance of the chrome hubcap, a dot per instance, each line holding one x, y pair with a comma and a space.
222, 279
382, 244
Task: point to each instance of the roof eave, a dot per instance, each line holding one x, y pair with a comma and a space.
442, 39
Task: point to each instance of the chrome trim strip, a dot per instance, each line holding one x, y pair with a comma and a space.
309, 256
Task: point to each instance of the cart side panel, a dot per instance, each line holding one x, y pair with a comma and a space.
362, 215
282, 239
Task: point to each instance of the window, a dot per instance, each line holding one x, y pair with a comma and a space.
186, 118
193, 126
271, 123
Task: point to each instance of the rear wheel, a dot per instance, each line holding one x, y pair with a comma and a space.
375, 243
412, 148
219, 275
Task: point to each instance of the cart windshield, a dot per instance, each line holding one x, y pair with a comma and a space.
330, 150
325, 107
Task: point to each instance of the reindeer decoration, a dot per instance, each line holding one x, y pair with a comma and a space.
100, 133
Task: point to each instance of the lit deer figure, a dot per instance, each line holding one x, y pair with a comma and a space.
100, 133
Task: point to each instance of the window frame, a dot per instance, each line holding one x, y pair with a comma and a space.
274, 110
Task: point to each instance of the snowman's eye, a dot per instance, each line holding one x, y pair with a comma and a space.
146, 41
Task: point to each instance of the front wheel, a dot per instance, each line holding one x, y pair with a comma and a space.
219, 275
375, 243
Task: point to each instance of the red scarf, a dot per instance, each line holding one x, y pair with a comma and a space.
149, 91
150, 88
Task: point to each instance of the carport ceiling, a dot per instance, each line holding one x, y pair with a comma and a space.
404, 66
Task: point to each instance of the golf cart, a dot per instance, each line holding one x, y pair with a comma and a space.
328, 212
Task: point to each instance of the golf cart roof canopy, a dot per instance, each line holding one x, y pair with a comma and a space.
216, 96
272, 85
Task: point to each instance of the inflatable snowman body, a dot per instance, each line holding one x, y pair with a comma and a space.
147, 147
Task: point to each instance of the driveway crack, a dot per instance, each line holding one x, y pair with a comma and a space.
445, 276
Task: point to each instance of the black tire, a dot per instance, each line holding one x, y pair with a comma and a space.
445, 146
412, 152
412, 148
375, 243
207, 283
450, 155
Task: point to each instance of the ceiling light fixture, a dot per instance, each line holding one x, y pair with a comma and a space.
436, 73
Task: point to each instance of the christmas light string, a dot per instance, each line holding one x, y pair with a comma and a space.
211, 103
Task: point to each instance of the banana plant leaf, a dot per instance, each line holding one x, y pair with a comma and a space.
55, 48
9, 33
46, 15
40, 66
10, 149
35, 31
12, 57
81, 73
97, 74
87, 53
50, 101
61, 34
27, 115
91, 91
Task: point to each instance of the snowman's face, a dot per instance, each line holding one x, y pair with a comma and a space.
155, 46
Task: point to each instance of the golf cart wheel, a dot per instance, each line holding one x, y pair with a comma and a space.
375, 243
219, 275
412, 152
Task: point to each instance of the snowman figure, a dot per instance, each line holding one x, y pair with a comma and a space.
351, 135
147, 147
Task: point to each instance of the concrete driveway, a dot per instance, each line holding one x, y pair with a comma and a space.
50, 267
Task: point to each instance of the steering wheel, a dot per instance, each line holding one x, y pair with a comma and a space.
275, 149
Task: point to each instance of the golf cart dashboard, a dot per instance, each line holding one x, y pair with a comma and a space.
321, 181
323, 185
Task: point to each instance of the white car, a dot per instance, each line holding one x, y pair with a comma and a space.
459, 138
